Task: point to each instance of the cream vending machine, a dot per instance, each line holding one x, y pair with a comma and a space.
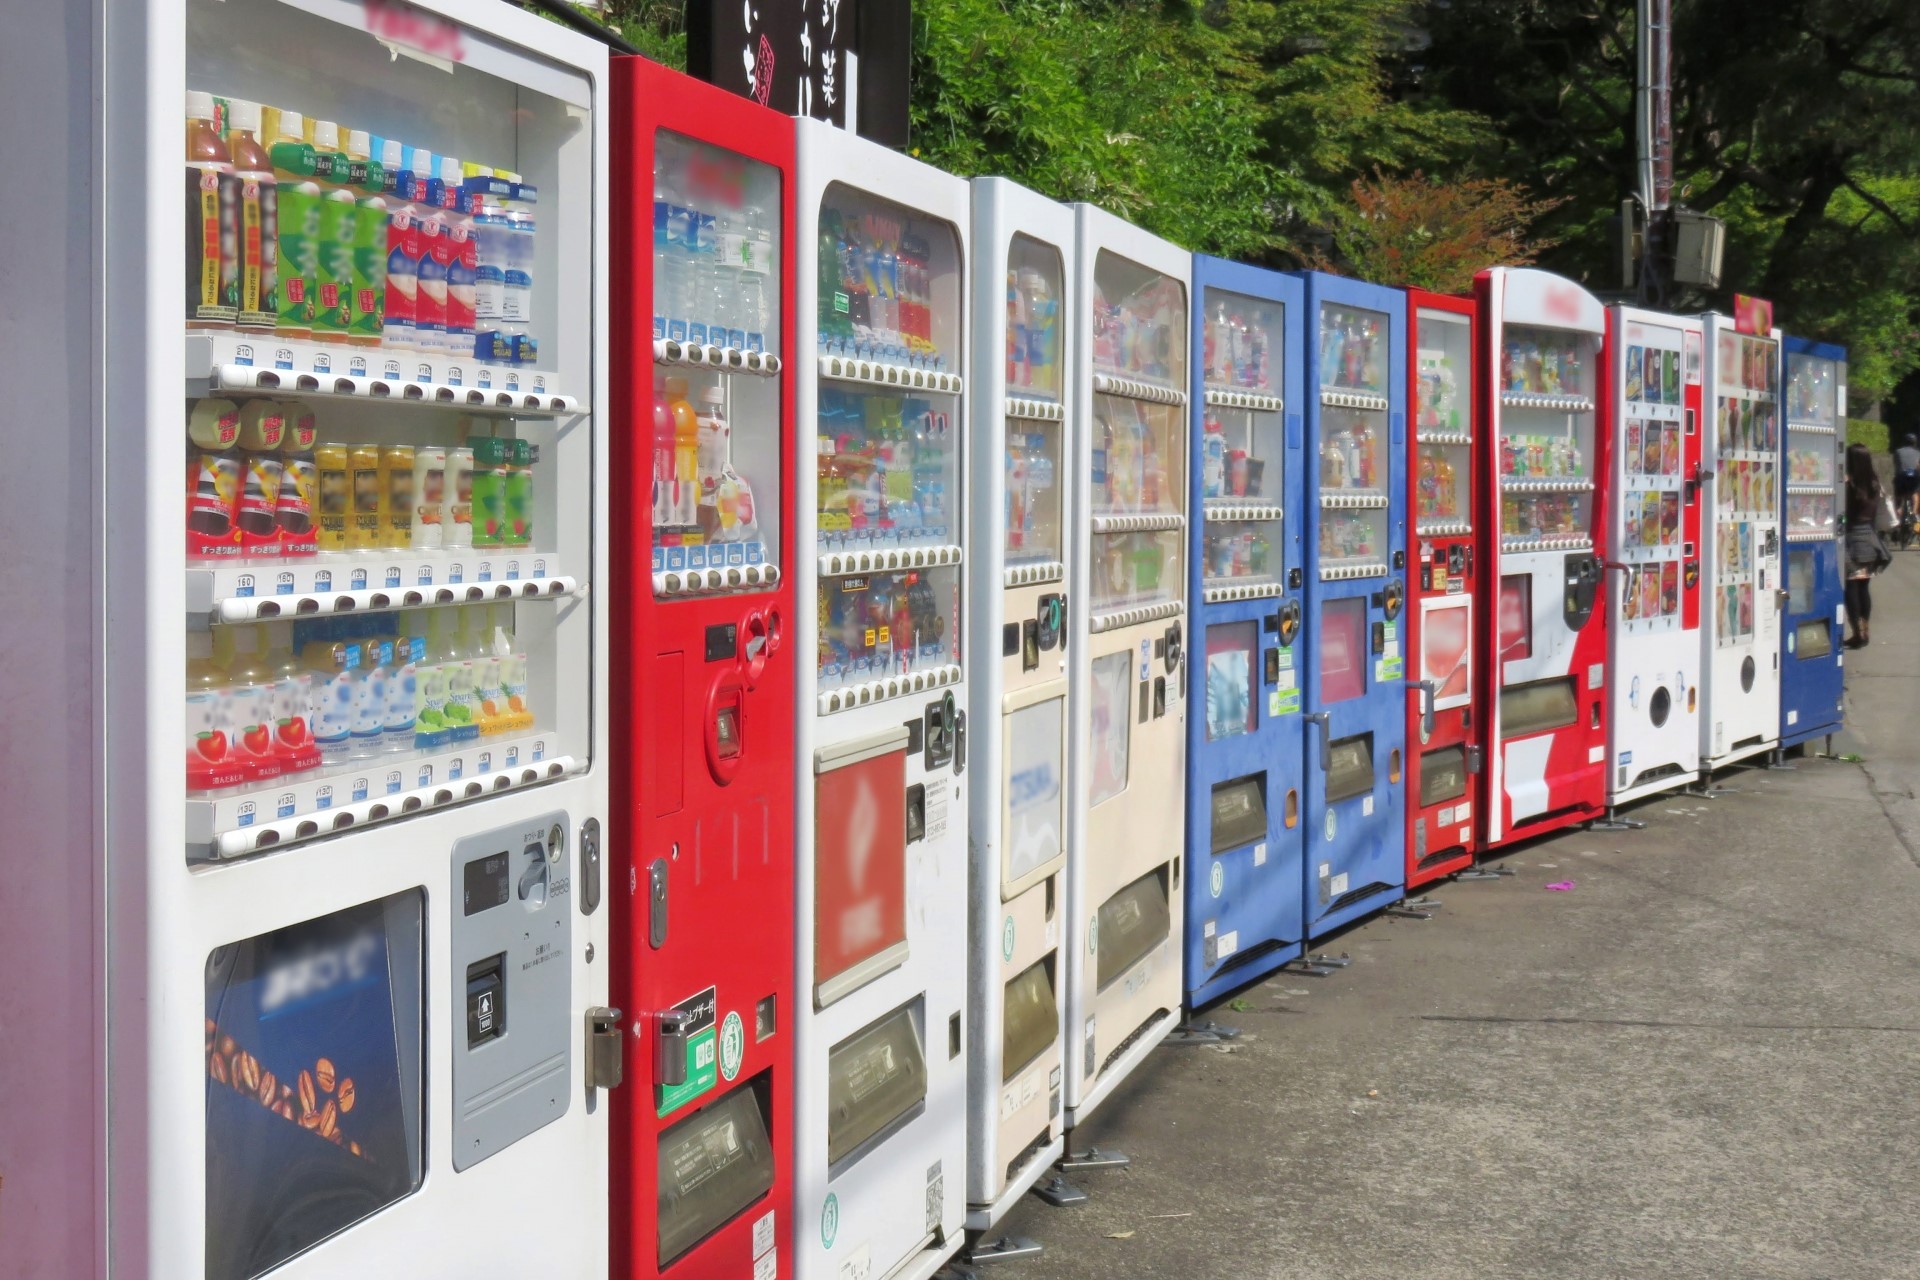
1127, 666
320, 728
881, 758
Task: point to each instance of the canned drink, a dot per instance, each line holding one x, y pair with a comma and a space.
335, 501
368, 497
300, 427
429, 496
457, 510
396, 492
263, 424
213, 495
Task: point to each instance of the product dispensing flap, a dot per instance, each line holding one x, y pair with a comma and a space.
712, 1164
876, 1078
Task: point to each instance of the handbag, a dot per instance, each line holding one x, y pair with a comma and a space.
1884, 520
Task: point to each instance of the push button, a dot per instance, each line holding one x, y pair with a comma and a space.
486, 1001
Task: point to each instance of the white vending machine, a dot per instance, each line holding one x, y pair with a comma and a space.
1022, 502
320, 730
1745, 593
1127, 646
881, 757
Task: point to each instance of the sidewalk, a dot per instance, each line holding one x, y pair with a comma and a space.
1704, 1061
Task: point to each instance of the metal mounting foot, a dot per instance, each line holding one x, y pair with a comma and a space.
1420, 908
1208, 1032
1059, 1193
1777, 762
1482, 872
1093, 1158
1614, 822
1005, 1249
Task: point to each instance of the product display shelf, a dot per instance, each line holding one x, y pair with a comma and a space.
348, 797
1112, 384
687, 355
1035, 410
1539, 400
886, 373
1544, 484
1442, 527
1119, 618
1228, 590
1557, 542
715, 581
1352, 499
1809, 428
1234, 398
1147, 522
1443, 437
1034, 574
837, 563
1229, 510
1338, 398
867, 692
226, 363
369, 582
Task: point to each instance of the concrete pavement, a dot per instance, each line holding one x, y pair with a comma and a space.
1703, 1061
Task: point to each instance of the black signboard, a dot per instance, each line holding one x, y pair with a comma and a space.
799, 57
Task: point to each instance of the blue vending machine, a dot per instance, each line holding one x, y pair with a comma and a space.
1244, 888
1811, 703
1355, 686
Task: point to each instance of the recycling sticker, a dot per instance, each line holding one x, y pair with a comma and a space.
733, 1045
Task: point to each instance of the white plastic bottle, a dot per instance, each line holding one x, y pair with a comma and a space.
492, 232
476, 637
370, 695
516, 307
431, 732
723, 284
399, 712
333, 662
451, 660
517, 716
462, 261
755, 266
669, 262
696, 290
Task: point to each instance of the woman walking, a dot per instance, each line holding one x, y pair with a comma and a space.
1867, 552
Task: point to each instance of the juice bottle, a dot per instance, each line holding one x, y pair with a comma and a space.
333, 280
332, 662
492, 458
297, 224
369, 680
367, 249
476, 640
457, 514
430, 287
686, 439
293, 509
211, 763
402, 247
429, 495
213, 495
335, 501
463, 259
431, 730
293, 693
396, 495
451, 659
518, 529
242, 651
260, 475
213, 221
259, 212
663, 456
518, 718
368, 497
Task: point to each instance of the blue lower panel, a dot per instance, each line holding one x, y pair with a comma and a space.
1812, 680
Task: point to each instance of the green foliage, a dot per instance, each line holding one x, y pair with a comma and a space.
1871, 434
1436, 235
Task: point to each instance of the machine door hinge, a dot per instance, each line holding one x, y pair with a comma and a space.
605, 1047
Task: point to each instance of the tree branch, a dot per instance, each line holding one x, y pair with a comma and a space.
1878, 204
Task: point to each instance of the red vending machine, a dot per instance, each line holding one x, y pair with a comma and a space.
701, 842
1441, 335
1543, 683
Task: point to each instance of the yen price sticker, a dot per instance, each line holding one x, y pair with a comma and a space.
733, 1045
1006, 939
829, 1221
1217, 879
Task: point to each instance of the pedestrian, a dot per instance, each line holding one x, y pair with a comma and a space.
1868, 513
1906, 475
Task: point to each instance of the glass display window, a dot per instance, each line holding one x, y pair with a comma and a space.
1134, 569
1354, 350
1139, 321
1546, 444
887, 624
1138, 457
1034, 333
888, 469
1343, 649
1352, 537
1552, 362
1443, 422
1110, 724
1241, 551
1238, 340
889, 282
1813, 446
1232, 659
1033, 470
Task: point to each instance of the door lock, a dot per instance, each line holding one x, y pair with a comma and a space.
657, 903
1427, 688
605, 1048
1324, 722
670, 1047
589, 866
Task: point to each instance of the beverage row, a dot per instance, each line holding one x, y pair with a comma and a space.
1650, 518
1227, 472
1544, 364
1235, 344
1542, 457
1811, 391
260, 486
1353, 350
284, 698
885, 464
698, 496
1033, 504
876, 279
1033, 333
1350, 452
1130, 455
1650, 592
713, 252
1238, 553
1142, 333
1438, 394
1131, 569
1543, 515
1747, 486
1652, 448
1745, 424
1353, 535
303, 229
1809, 466
1436, 492
887, 624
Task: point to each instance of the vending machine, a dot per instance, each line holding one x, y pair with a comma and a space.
316, 986
1650, 454
1244, 883
881, 877
1740, 624
1022, 374
1544, 678
1356, 596
1812, 681
1126, 579
1441, 339
702, 685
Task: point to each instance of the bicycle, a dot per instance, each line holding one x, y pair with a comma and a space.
1906, 526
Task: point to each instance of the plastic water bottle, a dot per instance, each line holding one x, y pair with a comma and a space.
516, 306
756, 265
492, 232
669, 263
723, 307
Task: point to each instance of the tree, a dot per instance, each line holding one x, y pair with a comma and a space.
1435, 234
